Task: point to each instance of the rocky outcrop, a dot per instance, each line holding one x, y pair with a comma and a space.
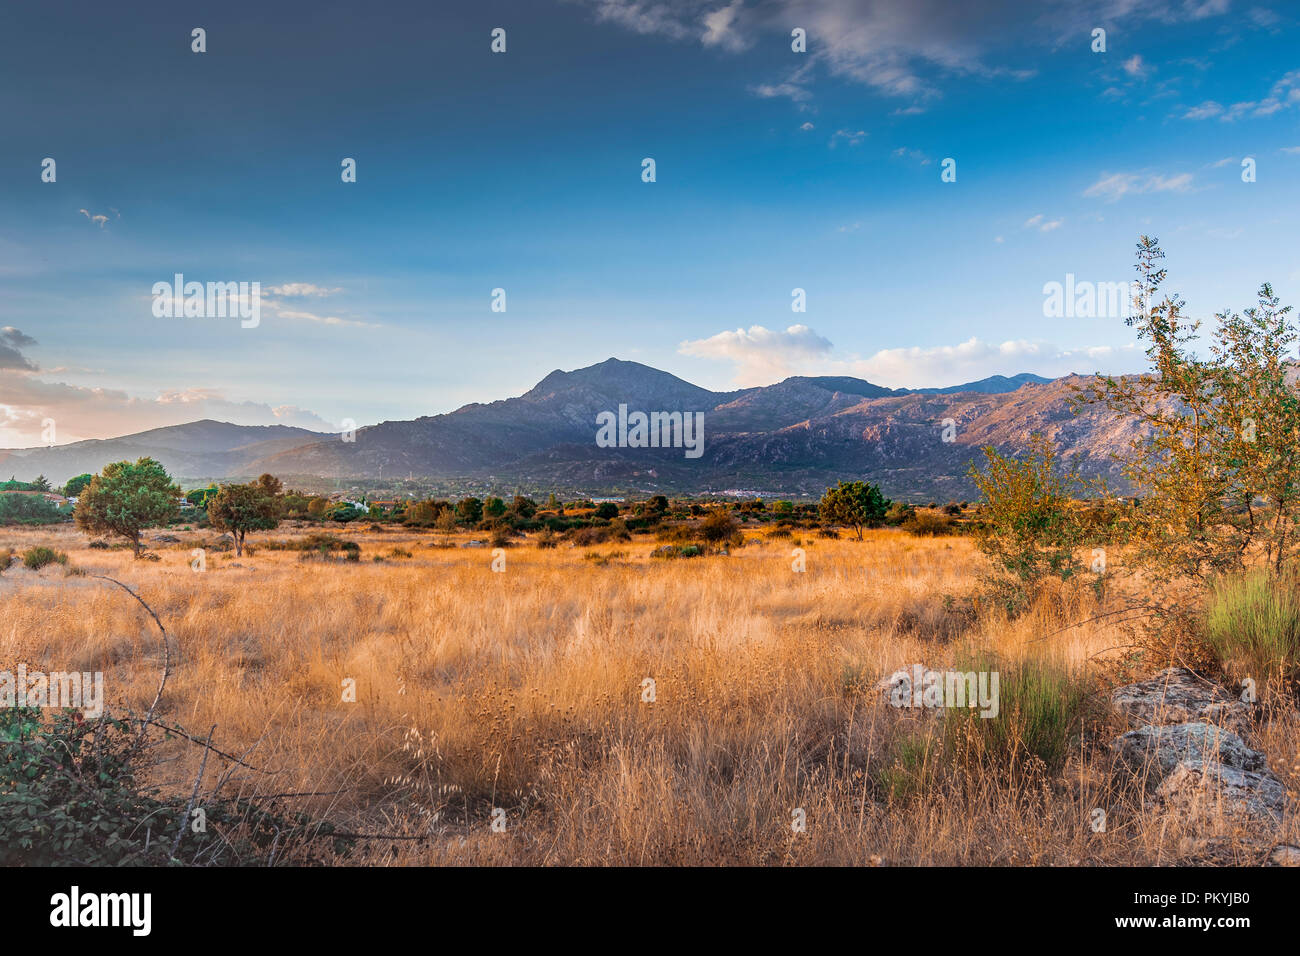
1164, 748
1176, 696
1189, 747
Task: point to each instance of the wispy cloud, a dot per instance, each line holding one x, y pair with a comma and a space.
1114, 186
296, 289
1042, 223
1282, 95
762, 356
914, 154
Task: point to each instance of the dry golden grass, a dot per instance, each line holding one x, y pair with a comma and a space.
522, 690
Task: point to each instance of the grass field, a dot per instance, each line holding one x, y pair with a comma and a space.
522, 691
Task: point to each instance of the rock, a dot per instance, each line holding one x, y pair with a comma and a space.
919, 686
1200, 788
1177, 696
1284, 855
1188, 748
167, 539
472, 544
1159, 750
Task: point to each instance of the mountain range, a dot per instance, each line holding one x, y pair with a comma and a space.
793, 437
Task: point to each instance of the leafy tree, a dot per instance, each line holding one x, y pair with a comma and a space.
783, 508
75, 486
523, 508
240, 509
469, 510
607, 510
270, 484
421, 514
553, 503
855, 505
199, 496
42, 484
494, 508
125, 498
1216, 457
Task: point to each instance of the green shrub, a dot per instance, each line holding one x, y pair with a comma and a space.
29, 509
1042, 709
1252, 624
38, 557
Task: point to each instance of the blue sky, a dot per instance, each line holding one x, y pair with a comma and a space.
522, 170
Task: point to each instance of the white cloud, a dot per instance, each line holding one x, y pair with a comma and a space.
761, 355
718, 28
1114, 186
1207, 110
904, 153
1136, 68
894, 46
807, 126
1043, 224
852, 137
82, 412
295, 289
1282, 95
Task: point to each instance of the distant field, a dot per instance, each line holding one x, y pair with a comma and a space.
522, 690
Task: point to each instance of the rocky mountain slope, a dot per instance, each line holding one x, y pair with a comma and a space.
793, 437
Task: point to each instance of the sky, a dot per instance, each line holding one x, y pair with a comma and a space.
522, 171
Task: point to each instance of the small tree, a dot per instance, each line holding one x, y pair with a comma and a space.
855, 505
270, 484
126, 498
239, 509
720, 527
75, 486
42, 484
523, 508
1030, 530
494, 508
469, 510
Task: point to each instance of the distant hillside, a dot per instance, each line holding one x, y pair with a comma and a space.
197, 449
793, 437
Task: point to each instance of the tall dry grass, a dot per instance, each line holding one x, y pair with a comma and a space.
523, 691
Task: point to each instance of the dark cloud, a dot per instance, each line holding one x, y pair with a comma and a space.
11, 341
